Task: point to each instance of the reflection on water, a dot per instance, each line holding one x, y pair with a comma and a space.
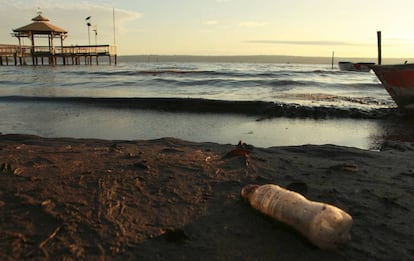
395, 129
81, 121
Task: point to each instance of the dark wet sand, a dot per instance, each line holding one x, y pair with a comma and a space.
170, 199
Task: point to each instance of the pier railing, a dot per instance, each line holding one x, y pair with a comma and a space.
76, 50
25, 50
14, 50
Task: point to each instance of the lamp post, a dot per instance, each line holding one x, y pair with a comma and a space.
88, 24
95, 29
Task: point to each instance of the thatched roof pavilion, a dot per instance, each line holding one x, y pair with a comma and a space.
40, 28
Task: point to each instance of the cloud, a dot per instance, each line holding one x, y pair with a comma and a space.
102, 16
71, 17
398, 41
252, 24
330, 43
210, 22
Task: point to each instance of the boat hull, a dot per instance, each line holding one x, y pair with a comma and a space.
355, 67
398, 80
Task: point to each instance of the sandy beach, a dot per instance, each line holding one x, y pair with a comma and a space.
169, 199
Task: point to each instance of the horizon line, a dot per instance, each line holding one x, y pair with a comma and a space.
267, 58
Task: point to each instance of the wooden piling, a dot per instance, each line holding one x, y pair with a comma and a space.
379, 47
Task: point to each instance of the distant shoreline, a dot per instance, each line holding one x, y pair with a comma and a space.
254, 59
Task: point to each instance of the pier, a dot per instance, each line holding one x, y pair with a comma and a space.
60, 55
51, 55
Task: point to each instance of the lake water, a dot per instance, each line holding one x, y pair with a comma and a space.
49, 101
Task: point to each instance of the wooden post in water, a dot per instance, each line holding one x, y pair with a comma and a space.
379, 47
333, 55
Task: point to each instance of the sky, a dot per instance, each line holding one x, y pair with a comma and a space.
226, 27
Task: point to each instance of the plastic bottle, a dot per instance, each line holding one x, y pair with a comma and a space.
322, 224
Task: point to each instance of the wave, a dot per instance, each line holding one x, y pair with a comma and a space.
229, 82
262, 109
207, 73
